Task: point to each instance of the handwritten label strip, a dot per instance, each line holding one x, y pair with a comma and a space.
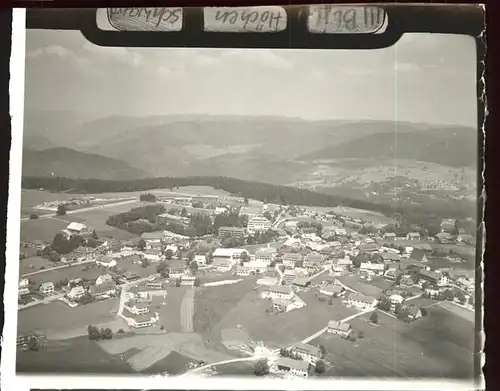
245, 19
146, 19
331, 19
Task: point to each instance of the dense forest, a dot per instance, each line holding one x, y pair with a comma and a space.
251, 190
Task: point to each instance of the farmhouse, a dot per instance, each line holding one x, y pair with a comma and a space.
395, 300
423, 246
279, 292
413, 236
258, 224
105, 261
47, 288
158, 285
24, 295
314, 258
283, 305
331, 290
344, 263
142, 321
152, 237
301, 282
339, 328
266, 255
153, 255
24, 283
244, 271
371, 269
368, 247
389, 236
103, 290
76, 229
130, 276
76, 292
233, 254
429, 276
293, 367
390, 257
307, 352
419, 256
231, 232
222, 265
413, 312
290, 259
361, 301
444, 237
201, 260
137, 308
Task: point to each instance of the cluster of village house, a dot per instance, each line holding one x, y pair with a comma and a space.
301, 250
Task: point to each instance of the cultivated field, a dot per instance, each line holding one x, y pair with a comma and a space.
438, 345
170, 315
57, 318
31, 198
78, 355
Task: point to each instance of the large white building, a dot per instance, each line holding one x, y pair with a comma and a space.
279, 292
258, 224
232, 254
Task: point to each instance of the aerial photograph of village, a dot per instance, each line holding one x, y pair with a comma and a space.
248, 218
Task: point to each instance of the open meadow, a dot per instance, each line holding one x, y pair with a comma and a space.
170, 314
77, 355
395, 348
70, 272
41, 229
249, 311
59, 318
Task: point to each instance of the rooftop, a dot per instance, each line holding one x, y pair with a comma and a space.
298, 365
280, 289
308, 349
338, 325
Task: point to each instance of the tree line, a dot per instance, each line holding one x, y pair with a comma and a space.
265, 192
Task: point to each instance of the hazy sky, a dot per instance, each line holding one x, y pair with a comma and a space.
423, 78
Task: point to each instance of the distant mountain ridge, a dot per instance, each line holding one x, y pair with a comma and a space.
452, 151
68, 163
256, 148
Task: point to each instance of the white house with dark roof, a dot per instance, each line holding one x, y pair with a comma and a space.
361, 301
293, 367
75, 228
307, 352
266, 255
339, 328
332, 290
278, 292
258, 224
371, 269
222, 265
290, 259
47, 288
76, 292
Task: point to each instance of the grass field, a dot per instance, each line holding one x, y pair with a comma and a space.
97, 219
36, 262
281, 329
57, 317
170, 315
41, 229
174, 364
459, 311
439, 345
67, 272
71, 356
211, 304
244, 368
